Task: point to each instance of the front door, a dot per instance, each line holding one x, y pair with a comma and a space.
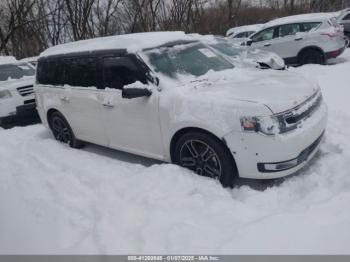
131, 125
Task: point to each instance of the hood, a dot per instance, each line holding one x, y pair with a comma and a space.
15, 83
278, 90
270, 59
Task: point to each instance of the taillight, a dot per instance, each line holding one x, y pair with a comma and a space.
330, 34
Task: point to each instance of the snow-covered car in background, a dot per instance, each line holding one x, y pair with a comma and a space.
240, 33
17, 99
165, 96
301, 39
242, 56
31, 60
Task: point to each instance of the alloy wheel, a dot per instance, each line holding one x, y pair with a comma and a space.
61, 130
200, 158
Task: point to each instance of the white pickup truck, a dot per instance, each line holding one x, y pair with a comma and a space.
17, 99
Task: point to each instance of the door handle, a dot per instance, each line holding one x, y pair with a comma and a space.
268, 44
108, 105
298, 39
65, 98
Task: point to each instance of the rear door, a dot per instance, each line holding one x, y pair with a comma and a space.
80, 99
132, 125
288, 42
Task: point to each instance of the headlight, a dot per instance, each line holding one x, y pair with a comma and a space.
268, 125
5, 94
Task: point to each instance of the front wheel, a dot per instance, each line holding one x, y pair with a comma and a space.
207, 156
62, 131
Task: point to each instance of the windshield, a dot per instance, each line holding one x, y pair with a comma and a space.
226, 49
191, 58
8, 72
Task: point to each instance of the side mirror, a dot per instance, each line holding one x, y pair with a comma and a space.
249, 42
131, 93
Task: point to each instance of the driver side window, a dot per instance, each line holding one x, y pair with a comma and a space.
264, 35
119, 72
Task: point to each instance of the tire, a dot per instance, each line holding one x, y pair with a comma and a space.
207, 156
62, 131
311, 56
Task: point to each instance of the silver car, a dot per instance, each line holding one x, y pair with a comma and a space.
302, 39
344, 20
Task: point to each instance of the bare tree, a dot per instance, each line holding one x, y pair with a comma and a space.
78, 13
14, 15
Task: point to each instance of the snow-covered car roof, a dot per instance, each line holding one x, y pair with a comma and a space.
245, 28
314, 17
7, 60
29, 59
130, 42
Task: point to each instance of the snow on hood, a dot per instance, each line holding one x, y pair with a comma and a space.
278, 90
269, 58
15, 83
29, 59
7, 60
131, 42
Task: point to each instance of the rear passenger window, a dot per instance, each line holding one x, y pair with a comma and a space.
306, 27
51, 72
81, 72
286, 30
120, 71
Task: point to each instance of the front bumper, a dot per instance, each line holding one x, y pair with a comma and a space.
22, 112
266, 157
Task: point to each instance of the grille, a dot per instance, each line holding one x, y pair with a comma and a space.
25, 90
289, 120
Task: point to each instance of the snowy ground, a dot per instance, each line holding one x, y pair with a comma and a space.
55, 200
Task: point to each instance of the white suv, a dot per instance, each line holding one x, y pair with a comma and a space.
301, 39
17, 100
166, 96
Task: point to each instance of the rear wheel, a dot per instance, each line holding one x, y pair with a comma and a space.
207, 156
62, 131
311, 56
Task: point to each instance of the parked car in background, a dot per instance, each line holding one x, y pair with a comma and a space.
241, 33
31, 60
301, 39
17, 100
166, 96
344, 20
242, 56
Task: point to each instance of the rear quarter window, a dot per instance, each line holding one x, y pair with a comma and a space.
50, 72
